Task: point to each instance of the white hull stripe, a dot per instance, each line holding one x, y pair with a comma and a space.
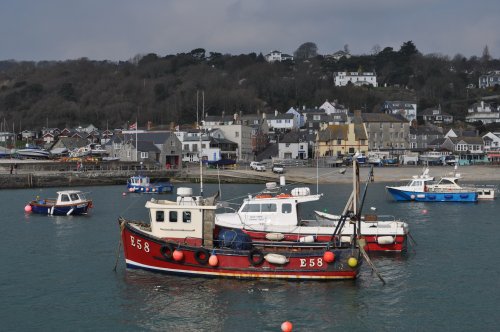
235, 275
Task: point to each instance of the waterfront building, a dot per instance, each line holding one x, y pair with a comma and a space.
484, 112
342, 78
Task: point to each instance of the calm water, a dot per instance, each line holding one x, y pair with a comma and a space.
57, 274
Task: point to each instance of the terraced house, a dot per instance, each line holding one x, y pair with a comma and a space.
386, 132
341, 140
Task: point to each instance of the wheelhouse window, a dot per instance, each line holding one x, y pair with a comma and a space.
286, 208
64, 198
268, 208
172, 216
251, 208
186, 216
74, 197
160, 216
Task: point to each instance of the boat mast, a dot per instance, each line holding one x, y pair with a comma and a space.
200, 133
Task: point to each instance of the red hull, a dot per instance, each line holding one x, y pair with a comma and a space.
145, 252
399, 244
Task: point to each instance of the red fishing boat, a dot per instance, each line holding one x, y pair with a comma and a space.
181, 238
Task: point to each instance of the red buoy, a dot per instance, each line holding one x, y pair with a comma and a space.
27, 208
213, 260
178, 255
328, 256
286, 326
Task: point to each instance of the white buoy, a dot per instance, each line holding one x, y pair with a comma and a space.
275, 236
308, 238
276, 259
282, 181
385, 239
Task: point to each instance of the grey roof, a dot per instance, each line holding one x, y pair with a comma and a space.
146, 146
280, 116
467, 139
382, 117
424, 130
293, 137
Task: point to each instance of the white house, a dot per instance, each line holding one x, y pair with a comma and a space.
486, 113
281, 122
277, 56
489, 80
492, 141
343, 78
239, 134
192, 145
294, 145
408, 109
298, 117
333, 108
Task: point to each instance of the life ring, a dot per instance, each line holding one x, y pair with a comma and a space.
263, 196
284, 196
202, 255
256, 257
167, 251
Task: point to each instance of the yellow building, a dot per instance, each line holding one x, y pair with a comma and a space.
343, 139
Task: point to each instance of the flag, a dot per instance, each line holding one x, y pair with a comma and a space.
133, 126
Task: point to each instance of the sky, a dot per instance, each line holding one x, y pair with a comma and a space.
35, 30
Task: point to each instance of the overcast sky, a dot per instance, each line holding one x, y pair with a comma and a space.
120, 29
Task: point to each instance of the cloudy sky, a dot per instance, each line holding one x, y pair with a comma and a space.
120, 29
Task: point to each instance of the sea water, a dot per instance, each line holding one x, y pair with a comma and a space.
57, 273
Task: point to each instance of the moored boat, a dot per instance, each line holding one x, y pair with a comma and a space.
68, 202
421, 189
142, 184
274, 216
181, 239
450, 183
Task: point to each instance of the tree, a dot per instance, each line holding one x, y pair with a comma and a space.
408, 49
306, 51
486, 54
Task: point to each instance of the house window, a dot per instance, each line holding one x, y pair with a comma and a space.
236, 134
380, 125
287, 145
339, 141
144, 155
172, 216
117, 146
128, 154
186, 147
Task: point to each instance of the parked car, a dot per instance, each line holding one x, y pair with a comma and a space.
259, 167
253, 164
278, 168
450, 160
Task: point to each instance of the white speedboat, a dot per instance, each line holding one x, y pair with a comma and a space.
33, 152
450, 183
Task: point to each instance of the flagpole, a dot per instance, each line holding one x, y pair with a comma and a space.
136, 142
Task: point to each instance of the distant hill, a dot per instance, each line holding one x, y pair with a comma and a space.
163, 89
